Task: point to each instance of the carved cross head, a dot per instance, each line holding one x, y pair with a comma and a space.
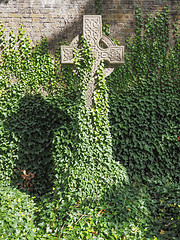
102, 46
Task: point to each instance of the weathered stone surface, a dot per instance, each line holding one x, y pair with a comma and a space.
92, 32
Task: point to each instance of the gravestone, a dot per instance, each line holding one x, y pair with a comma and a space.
102, 47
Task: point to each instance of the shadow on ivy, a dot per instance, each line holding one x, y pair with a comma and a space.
33, 127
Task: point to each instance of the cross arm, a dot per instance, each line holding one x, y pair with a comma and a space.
114, 54
67, 54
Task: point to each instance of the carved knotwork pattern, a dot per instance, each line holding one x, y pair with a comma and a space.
67, 54
92, 30
97, 59
115, 55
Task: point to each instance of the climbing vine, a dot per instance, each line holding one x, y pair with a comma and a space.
110, 171
98, 6
149, 78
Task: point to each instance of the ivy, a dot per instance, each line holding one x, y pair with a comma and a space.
110, 171
98, 6
17, 214
146, 101
98, 11
91, 150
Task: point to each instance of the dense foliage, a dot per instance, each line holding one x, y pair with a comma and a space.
109, 172
16, 214
144, 105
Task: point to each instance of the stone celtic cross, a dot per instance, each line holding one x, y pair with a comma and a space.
102, 47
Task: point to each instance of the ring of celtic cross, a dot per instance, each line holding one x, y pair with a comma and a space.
103, 48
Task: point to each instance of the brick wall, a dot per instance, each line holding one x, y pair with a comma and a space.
121, 14
56, 19
62, 19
